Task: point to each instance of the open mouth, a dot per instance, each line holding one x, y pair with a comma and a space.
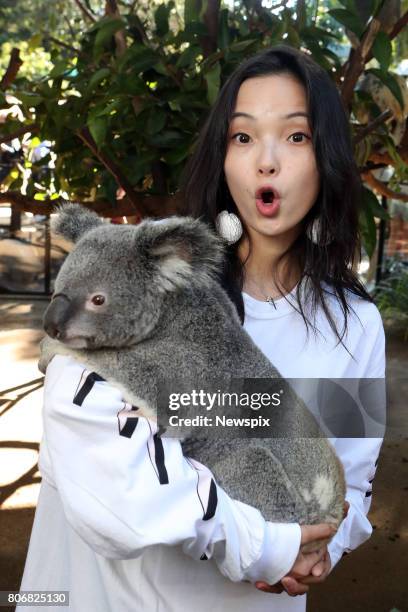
267, 197
267, 201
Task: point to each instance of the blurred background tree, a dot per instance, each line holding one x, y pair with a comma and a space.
107, 98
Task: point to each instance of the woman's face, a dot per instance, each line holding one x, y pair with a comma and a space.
270, 147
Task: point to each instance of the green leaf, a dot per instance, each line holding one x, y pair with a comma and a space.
223, 30
188, 56
382, 50
194, 28
349, 4
97, 78
368, 232
191, 11
105, 33
34, 42
156, 121
144, 60
167, 138
29, 99
371, 201
58, 69
177, 155
348, 19
174, 105
242, 45
161, 18
389, 81
212, 78
98, 128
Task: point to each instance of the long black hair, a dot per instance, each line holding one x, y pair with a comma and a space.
337, 204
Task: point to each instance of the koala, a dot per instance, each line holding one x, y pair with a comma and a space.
140, 304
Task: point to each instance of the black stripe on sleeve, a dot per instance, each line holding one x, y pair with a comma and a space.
203, 557
159, 460
129, 427
86, 388
369, 494
212, 502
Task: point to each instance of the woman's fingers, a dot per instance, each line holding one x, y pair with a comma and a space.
293, 587
310, 533
306, 561
269, 588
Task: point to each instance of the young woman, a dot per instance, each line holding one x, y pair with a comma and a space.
274, 173
105, 530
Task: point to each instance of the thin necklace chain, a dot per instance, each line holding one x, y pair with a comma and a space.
267, 298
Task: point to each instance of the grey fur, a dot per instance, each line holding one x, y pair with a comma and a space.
166, 317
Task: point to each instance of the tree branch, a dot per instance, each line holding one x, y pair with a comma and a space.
156, 206
111, 8
384, 158
85, 135
399, 25
63, 44
356, 63
33, 128
382, 188
14, 66
372, 126
85, 11
211, 18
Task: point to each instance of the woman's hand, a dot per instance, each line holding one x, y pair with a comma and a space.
304, 562
298, 585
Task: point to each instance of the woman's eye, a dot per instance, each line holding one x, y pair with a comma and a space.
299, 134
98, 300
241, 137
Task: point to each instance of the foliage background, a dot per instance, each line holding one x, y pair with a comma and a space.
119, 90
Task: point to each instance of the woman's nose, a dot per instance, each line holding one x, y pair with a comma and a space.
266, 169
267, 163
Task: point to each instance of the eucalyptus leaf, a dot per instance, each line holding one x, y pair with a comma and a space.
59, 69
191, 11
373, 205
156, 121
241, 46
223, 30
97, 78
98, 128
349, 20
212, 78
382, 50
161, 18
29, 99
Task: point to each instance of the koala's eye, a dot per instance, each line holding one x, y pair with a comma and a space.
98, 300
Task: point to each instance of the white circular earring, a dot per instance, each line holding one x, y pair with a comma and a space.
314, 233
228, 226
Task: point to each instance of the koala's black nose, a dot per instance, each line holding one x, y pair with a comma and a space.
52, 330
56, 316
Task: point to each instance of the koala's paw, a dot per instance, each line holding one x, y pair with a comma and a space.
48, 349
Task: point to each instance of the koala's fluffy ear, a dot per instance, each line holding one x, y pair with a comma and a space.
74, 220
184, 250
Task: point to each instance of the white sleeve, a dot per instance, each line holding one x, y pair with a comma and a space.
124, 488
359, 457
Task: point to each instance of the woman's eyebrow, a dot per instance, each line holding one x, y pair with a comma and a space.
288, 116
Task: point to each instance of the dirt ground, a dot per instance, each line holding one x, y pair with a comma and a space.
374, 577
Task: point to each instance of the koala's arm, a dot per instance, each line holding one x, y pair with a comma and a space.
138, 490
48, 349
